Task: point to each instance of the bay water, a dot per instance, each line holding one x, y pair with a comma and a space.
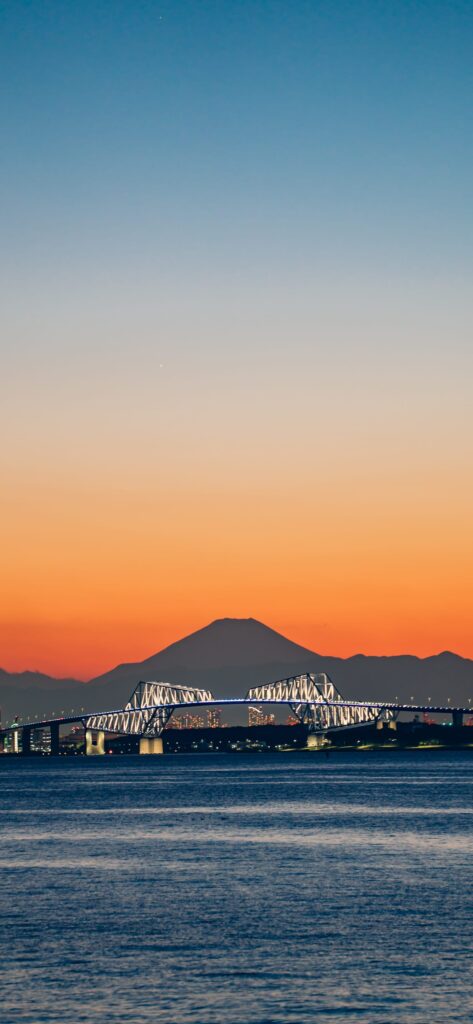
237, 889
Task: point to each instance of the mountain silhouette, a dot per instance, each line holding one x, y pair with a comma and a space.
230, 655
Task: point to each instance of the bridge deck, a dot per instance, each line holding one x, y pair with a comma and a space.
234, 702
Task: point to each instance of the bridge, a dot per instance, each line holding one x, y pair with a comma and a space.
312, 698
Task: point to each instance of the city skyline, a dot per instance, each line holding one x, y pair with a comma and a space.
236, 267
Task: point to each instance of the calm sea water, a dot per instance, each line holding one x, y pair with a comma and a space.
237, 889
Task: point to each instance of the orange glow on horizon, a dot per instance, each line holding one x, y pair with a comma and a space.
343, 551
84, 650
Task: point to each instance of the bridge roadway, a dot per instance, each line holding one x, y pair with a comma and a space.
381, 705
54, 724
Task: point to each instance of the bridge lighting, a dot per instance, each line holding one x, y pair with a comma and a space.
312, 698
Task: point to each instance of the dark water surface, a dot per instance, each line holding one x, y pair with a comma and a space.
237, 889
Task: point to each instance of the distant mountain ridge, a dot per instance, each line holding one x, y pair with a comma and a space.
230, 655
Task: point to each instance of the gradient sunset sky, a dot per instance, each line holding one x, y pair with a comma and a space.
236, 263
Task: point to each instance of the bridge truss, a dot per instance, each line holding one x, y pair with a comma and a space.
149, 709
315, 701
312, 697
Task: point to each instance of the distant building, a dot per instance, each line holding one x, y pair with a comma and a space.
214, 718
189, 721
41, 741
256, 716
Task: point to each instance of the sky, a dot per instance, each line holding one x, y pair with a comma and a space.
235, 311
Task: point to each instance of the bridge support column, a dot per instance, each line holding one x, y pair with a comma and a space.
315, 740
151, 745
457, 718
54, 730
94, 744
15, 744
26, 740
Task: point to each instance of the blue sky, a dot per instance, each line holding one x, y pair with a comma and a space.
268, 122
236, 259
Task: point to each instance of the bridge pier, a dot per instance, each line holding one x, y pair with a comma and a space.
315, 741
457, 719
94, 744
54, 730
15, 741
26, 740
151, 745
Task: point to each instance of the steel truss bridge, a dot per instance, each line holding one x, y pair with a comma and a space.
312, 697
